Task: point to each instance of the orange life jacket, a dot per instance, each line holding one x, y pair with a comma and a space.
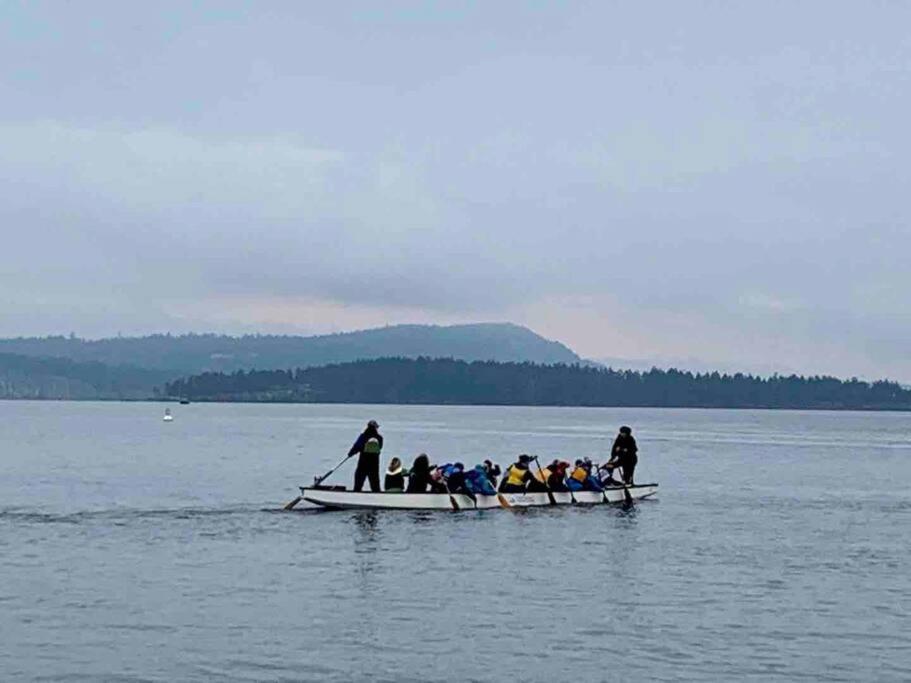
542, 475
580, 474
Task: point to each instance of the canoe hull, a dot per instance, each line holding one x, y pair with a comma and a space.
365, 500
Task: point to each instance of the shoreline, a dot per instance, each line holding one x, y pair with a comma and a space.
831, 409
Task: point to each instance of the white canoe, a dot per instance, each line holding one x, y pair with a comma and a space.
341, 499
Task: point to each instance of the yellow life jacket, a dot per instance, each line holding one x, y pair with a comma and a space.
515, 476
580, 474
372, 447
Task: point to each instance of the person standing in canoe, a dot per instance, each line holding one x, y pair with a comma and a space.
624, 454
368, 446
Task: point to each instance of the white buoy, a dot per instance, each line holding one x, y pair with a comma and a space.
167, 415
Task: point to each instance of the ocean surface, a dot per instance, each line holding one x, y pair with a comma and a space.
779, 548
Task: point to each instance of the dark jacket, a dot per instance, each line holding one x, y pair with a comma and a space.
493, 473
366, 435
395, 481
419, 478
625, 449
557, 481
455, 482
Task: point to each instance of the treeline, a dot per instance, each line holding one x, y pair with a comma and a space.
447, 381
60, 378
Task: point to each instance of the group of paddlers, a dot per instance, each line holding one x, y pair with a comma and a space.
526, 474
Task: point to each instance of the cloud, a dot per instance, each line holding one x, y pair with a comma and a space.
718, 185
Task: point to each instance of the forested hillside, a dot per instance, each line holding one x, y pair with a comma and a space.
61, 378
194, 353
446, 381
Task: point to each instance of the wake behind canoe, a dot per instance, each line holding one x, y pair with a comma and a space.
339, 498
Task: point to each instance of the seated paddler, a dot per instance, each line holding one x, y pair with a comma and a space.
556, 480
537, 483
478, 482
550, 478
582, 479
395, 477
493, 472
606, 472
419, 475
517, 476
455, 478
438, 479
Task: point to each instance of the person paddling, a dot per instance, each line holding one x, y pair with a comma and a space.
581, 478
492, 470
624, 454
419, 477
368, 445
556, 479
455, 477
538, 482
517, 476
477, 480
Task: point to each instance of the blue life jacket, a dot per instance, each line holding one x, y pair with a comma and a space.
592, 484
477, 482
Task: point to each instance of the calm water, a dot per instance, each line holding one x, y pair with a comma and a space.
132, 549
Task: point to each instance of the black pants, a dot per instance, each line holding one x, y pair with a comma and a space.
627, 469
368, 467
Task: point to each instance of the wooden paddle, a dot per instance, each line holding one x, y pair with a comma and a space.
500, 497
628, 497
550, 494
319, 480
452, 498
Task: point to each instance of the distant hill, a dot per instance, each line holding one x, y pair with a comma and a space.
441, 381
62, 378
194, 353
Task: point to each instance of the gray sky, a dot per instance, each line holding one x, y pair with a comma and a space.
723, 182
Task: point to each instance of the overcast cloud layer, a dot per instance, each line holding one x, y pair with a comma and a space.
725, 182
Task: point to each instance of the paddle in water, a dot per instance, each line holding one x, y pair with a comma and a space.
627, 496
318, 480
550, 493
